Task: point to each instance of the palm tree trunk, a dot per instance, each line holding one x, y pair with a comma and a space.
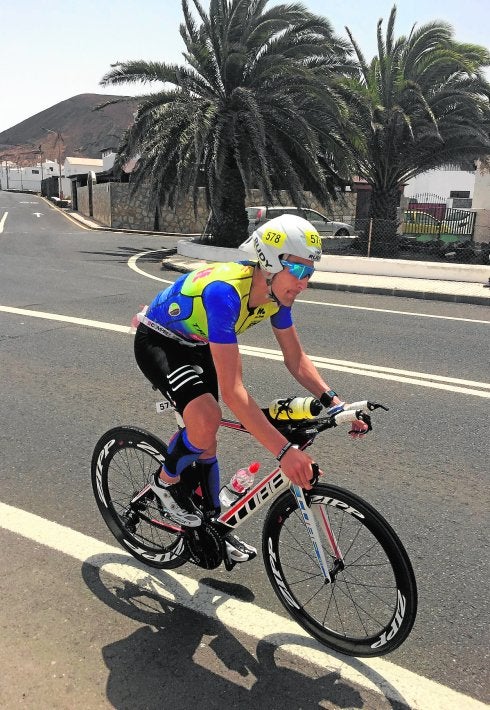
229, 218
382, 210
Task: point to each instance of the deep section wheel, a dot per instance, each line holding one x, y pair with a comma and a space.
123, 463
369, 607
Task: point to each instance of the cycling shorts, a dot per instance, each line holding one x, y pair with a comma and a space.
180, 372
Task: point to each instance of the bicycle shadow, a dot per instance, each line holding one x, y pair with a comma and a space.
182, 655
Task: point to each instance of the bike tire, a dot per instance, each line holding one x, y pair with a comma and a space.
370, 606
123, 462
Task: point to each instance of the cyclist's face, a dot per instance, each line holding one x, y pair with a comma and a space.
286, 286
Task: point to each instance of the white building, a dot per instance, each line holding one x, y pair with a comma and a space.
14, 177
81, 166
448, 181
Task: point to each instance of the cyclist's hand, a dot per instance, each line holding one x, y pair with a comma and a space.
296, 465
359, 429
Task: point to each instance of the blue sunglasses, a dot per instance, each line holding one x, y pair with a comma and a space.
300, 271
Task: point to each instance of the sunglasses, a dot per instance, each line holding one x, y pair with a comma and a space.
299, 271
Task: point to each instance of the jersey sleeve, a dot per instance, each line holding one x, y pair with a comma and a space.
282, 319
222, 305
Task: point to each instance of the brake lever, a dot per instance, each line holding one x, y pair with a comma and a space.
363, 417
376, 405
316, 474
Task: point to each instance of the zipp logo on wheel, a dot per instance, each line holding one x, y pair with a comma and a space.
395, 624
280, 582
102, 456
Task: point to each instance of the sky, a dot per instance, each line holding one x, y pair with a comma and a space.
51, 51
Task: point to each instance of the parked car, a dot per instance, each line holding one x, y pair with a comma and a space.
325, 227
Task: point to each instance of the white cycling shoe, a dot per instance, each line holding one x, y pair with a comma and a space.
237, 550
175, 503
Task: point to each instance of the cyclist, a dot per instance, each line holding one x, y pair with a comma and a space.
186, 345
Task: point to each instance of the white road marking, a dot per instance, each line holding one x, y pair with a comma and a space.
388, 310
67, 319
38, 214
376, 674
132, 265
2, 221
421, 379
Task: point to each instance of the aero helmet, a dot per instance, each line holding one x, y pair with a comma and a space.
287, 234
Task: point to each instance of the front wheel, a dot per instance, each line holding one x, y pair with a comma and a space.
369, 607
123, 463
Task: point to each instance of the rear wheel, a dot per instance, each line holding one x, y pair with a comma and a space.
342, 233
123, 463
369, 607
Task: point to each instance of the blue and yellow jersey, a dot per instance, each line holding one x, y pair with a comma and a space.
211, 305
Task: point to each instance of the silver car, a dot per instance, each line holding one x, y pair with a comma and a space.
325, 227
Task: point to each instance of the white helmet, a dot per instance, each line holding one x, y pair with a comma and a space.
287, 234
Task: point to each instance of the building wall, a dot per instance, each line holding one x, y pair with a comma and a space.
441, 183
82, 168
481, 195
27, 177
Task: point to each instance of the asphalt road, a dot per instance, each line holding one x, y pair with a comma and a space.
63, 384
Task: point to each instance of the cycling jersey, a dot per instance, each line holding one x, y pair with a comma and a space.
211, 305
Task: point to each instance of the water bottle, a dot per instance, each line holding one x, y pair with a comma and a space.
241, 481
295, 408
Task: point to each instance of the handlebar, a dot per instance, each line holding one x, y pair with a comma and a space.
355, 410
303, 430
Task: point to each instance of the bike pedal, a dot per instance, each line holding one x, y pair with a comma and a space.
229, 564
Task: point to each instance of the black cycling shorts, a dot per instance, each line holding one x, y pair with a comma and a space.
180, 372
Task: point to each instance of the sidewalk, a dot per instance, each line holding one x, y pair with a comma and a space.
455, 291
429, 289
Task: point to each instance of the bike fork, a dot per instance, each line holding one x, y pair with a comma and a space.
314, 522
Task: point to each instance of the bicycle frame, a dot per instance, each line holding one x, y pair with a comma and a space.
276, 482
266, 489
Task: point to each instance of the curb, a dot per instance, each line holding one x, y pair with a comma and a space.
353, 288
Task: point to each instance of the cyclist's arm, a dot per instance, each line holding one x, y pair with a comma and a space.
227, 360
304, 371
299, 364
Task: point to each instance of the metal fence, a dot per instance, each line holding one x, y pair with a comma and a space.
417, 235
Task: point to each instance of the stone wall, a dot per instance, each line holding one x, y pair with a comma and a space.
115, 206
82, 200
130, 211
101, 202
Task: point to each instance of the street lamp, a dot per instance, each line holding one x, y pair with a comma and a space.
58, 141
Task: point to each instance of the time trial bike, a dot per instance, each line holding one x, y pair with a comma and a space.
334, 562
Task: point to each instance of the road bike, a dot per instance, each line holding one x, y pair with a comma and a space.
336, 565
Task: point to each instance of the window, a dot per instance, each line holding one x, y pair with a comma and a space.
35, 172
459, 193
313, 216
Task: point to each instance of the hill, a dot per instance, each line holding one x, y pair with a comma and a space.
85, 132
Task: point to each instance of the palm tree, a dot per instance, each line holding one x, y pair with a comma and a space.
253, 107
422, 102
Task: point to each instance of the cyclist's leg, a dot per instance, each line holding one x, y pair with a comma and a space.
178, 371
187, 377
